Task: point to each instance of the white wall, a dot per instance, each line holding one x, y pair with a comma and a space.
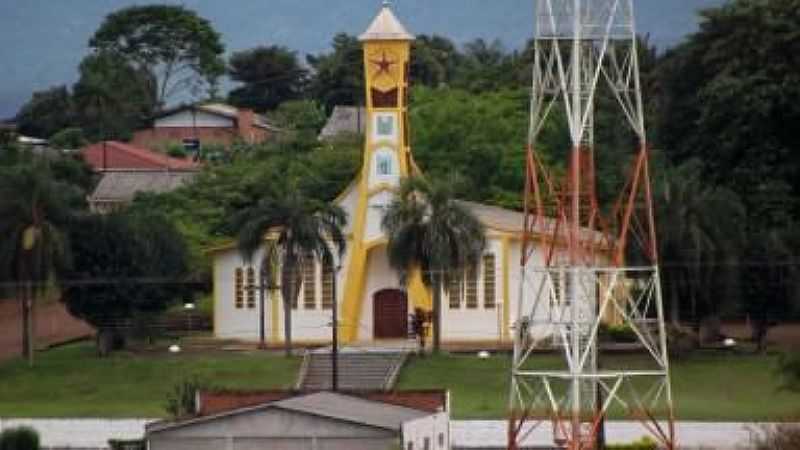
201, 119
432, 427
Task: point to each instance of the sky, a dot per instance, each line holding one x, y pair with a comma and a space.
43, 41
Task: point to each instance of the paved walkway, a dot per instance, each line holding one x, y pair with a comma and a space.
466, 434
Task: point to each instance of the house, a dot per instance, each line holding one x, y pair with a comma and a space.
345, 119
481, 304
114, 155
311, 420
211, 123
126, 169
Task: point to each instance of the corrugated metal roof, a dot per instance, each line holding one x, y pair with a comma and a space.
345, 119
352, 409
123, 186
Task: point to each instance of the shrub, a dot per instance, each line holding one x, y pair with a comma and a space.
20, 438
645, 443
68, 138
181, 399
176, 150
789, 371
621, 333
680, 343
776, 437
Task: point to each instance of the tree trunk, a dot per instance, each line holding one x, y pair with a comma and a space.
437, 313
26, 312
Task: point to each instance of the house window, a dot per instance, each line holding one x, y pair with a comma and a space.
327, 286
251, 288
489, 292
454, 290
238, 293
441, 440
309, 283
569, 288
471, 289
427, 443
410, 445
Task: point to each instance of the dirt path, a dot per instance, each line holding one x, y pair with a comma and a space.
53, 325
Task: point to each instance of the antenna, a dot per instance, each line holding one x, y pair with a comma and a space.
579, 268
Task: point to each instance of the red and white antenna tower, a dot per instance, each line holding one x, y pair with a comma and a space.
578, 270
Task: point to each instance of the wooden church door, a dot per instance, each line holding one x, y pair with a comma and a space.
390, 314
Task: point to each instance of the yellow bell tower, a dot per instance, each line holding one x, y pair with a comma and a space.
387, 156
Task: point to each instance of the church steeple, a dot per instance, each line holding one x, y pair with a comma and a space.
387, 156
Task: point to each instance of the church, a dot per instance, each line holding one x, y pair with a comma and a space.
373, 305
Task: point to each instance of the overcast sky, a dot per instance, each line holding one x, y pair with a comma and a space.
42, 41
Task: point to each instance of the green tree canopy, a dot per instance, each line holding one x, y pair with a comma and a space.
269, 76
112, 97
179, 49
730, 98
47, 112
338, 76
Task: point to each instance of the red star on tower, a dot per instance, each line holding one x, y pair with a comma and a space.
384, 64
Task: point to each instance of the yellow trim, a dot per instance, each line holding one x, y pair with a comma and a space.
382, 187
276, 303
506, 256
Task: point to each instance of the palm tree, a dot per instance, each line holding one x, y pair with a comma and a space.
33, 209
307, 230
699, 229
428, 229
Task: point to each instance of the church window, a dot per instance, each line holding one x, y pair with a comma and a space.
251, 288
384, 163
471, 289
489, 292
454, 290
385, 125
309, 283
238, 278
327, 286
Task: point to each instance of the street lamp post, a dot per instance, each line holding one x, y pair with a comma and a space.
335, 333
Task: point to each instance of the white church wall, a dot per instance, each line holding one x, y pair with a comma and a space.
375, 212
348, 202
479, 323
230, 321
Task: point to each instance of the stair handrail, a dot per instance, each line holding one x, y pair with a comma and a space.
391, 377
301, 376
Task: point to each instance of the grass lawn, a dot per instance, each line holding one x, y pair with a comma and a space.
72, 382
706, 386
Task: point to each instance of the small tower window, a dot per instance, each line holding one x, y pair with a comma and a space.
384, 163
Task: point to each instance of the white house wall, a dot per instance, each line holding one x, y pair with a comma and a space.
435, 428
201, 119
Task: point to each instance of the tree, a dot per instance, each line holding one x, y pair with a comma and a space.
269, 76
125, 267
428, 229
486, 67
730, 97
338, 77
19, 438
34, 208
434, 61
113, 98
71, 138
307, 230
179, 49
46, 112
700, 240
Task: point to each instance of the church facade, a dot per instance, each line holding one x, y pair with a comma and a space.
480, 306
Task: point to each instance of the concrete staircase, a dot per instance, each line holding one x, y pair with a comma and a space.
359, 369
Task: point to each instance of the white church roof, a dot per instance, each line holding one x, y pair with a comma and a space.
386, 27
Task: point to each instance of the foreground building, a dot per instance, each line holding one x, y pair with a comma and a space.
414, 420
480, 306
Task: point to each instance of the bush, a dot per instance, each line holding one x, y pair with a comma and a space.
20, 438
176, 150
789, 371
680, 343
68, 138
618, 333
181, 399
776, 437
645, 443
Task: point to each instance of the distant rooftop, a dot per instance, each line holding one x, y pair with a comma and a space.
345, 119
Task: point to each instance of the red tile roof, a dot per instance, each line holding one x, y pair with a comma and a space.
215, 402
122, 156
